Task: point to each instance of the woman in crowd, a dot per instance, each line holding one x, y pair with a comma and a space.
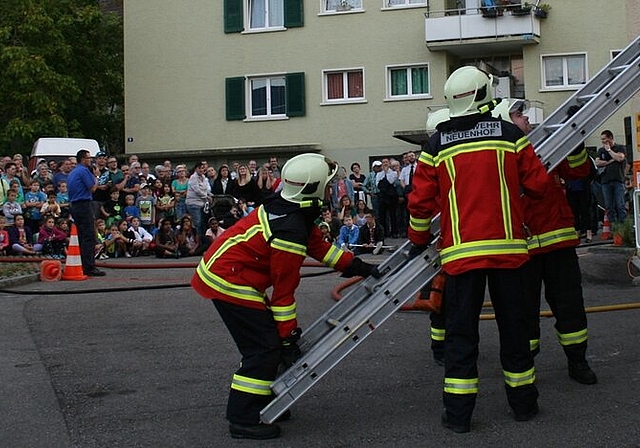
246, 187
189, 241
223, 184
198, 196
179, 187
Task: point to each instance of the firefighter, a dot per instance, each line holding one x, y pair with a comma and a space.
554, 260
473, 172
267, 248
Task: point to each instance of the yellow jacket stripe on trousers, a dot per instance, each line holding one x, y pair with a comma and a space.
483, 248
461, 386
577, 337
437, 334
551, 238
251, 385
520, 379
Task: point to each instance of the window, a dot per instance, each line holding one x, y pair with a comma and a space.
344, 86
269, 97
565, 71
341, 5
408, 82
266, 14
396, 3
262, 15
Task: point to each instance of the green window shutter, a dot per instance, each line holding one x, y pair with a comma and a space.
293, 13
233, 16
295, 94
234, 93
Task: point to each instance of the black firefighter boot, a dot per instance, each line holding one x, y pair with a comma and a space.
579, 369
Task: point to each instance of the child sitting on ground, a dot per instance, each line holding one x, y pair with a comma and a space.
4, 236
348, 234
111, 210
213, 232
141, 238
371, 236
166, 243
52, 239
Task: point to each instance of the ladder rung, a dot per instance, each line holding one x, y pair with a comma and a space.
333, 322
585, 98
552, 127
618, 69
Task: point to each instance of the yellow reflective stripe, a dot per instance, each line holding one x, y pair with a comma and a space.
263, 217
288, 246
437, 334
465, 148
453, 203
483, 248
332, 256
534, 344
520, 379
461, 385
217, 283
427, 158
551, 238
522, 143
420, 224
284, 313
577, 337
504, 197
577, 159
251, 385
234, 240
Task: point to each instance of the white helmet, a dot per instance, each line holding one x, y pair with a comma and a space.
435, 118
306, 176
466, 90
507, 106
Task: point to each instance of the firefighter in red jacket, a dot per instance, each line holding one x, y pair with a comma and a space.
267, 248
554, 260
474, 171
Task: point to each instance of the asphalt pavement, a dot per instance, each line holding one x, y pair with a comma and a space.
136, 358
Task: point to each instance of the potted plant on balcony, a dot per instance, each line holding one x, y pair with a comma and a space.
542, 10
519, 9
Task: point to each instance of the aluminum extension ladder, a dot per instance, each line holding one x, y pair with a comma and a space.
344, 326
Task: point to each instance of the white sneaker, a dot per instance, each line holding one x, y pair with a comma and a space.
378, 248
127, 255
343, 246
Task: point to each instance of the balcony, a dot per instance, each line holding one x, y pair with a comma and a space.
466, 32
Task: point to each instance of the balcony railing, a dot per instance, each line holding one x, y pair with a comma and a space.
471, 24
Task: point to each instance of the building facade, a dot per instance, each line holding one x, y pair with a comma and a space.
234, 80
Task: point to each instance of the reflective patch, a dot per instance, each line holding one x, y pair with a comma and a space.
483, 129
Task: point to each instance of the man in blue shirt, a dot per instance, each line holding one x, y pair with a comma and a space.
82, 183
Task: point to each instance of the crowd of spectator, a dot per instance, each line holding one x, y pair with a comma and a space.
136, 204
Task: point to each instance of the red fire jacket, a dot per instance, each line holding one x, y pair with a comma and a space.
266, 248
475, 167
550, 219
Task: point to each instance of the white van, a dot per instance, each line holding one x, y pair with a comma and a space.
59, 149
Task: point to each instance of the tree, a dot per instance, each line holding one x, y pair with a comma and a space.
61, 65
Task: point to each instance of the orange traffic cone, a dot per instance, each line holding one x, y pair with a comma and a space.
73, 265
50, 270
606, 227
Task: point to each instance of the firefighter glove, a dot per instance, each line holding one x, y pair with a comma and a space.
290, 350
361, 268
417, 249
